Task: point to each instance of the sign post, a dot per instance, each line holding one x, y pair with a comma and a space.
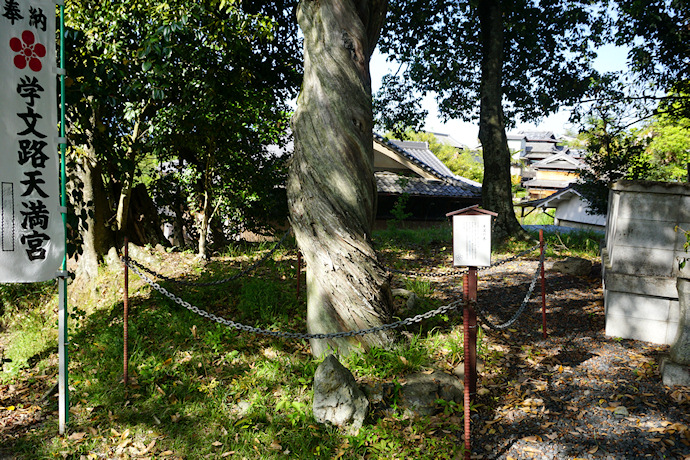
471, 249
32, 202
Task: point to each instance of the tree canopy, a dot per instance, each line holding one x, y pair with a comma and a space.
204, 83
658, 35
498, 61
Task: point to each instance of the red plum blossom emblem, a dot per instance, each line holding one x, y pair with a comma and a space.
29, 52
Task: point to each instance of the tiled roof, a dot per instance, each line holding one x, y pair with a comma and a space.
561, 161
419, 153
539, 135
449, 140
541, 147
392, 183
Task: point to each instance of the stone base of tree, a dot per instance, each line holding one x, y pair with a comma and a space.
675, 368
674, 374
410, 297
337, 398
417, 395
340, 401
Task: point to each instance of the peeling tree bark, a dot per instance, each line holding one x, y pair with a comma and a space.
331, 186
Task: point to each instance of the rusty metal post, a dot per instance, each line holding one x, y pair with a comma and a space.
299, 271
469, 286
472, 324
543, 284
125, 361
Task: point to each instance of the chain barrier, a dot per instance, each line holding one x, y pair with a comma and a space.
464, 270
139, 269
247, 270
523, 306
290, 335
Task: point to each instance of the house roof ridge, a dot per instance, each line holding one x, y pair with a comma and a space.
409, 156
452, 178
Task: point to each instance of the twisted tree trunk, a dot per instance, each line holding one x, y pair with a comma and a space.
331, 186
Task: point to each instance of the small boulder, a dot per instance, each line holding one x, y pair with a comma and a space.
573, 266
621, 412
410, 296
112, 259
337, 398
418, 395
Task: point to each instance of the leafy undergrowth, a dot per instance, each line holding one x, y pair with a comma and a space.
200, 390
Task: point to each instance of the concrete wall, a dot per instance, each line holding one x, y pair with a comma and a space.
640, 259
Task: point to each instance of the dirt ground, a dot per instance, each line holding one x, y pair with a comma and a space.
576, 393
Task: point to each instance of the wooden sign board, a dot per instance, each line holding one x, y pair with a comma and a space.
472, 240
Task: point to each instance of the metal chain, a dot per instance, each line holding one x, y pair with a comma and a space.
247, 270
464, 270
291, 335
523, 306
139, 269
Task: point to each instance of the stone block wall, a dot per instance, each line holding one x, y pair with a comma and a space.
640, 259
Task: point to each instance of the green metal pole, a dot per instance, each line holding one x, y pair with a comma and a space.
63, 379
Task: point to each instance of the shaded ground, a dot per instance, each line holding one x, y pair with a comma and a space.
577, 393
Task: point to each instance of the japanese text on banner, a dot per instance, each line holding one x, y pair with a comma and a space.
32, 234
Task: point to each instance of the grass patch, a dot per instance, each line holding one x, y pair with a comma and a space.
201, 390
536, 217
405, 238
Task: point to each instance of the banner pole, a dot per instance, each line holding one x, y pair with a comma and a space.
63, 380
125, 302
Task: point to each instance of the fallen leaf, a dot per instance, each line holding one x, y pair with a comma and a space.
216, 443
149, 447
167, 452
77, 436
93, 431
593, 450
227, 454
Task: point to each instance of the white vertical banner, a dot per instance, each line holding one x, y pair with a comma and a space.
32, 242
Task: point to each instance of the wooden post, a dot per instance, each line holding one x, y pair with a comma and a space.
125, 360
543, 284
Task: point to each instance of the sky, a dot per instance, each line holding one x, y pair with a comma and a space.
610, 58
